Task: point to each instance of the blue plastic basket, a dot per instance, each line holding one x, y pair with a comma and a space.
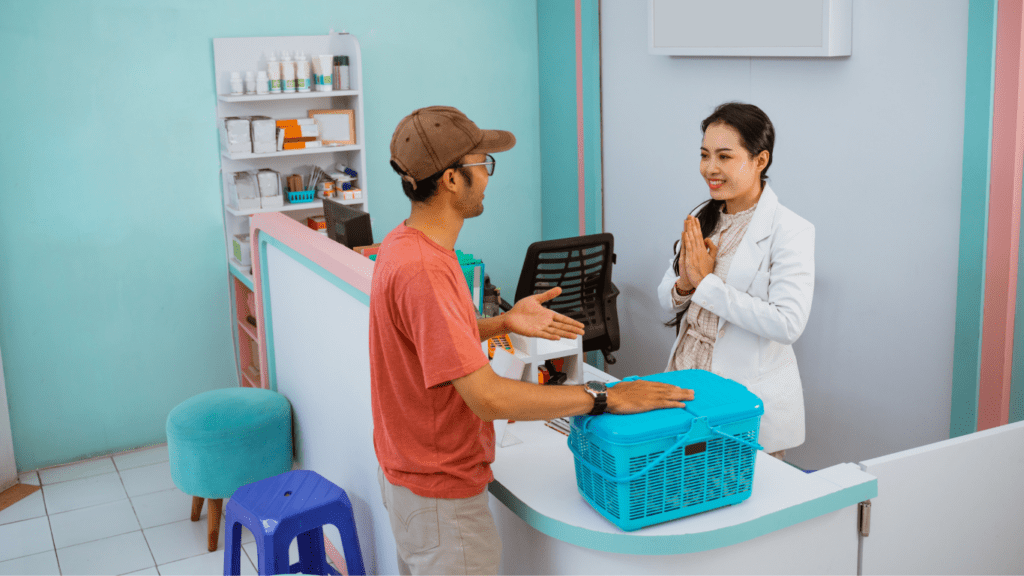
641, 469
301, 196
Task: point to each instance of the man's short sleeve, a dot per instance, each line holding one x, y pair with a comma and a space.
438, 316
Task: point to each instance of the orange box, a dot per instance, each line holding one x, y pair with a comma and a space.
317, 222
291, 122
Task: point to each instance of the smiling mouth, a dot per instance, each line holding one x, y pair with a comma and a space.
715, 183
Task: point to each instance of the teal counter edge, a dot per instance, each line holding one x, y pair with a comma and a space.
264, 239
632, 543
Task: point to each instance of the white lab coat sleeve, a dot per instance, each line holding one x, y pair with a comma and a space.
783, 316
668, 302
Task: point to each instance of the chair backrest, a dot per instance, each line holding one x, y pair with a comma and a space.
582, 266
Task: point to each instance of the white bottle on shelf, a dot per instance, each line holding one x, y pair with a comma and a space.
262, 83
301, 72
236, 84
341, 80
287, 72
250, 82
274, 73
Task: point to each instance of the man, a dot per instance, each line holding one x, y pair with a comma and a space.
433, 393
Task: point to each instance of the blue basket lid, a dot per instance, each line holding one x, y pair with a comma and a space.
718, 399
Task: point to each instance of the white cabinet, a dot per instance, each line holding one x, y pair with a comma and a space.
251, 54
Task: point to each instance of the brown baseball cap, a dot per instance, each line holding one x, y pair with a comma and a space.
433, 138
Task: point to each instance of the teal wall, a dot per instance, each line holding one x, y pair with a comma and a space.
556, 24
114, 301
977, 167
559, 132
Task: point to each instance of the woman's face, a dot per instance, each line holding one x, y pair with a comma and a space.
731, 173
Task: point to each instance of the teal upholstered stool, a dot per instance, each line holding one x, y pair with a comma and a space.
220, 440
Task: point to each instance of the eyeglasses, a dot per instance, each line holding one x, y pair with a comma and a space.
490, 164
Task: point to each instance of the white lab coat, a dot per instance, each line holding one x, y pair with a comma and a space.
762, 309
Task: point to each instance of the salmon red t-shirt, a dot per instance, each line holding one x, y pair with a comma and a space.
423, 334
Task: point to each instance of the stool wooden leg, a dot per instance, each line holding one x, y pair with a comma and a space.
197, 508
213, 522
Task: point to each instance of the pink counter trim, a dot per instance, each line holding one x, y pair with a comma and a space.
582, 190
353, 268
1003, 218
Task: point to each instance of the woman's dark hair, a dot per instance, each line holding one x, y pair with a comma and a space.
756, 135
425, 189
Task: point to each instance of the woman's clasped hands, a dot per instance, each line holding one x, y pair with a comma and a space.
697, 256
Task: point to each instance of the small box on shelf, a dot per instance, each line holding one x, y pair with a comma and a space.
235, 135
317, 223
240, 249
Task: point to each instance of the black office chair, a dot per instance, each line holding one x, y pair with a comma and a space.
582, 266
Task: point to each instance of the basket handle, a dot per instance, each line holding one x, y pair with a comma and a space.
754, 445
682, 439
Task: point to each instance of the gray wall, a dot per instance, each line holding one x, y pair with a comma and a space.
869, 149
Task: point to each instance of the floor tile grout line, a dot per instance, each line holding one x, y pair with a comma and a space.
39, 477
49, 524
116, 471
134, 511
96, 459
97, 539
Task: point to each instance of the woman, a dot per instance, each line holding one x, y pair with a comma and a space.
742, 277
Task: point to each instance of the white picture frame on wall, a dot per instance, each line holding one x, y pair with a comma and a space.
785, 28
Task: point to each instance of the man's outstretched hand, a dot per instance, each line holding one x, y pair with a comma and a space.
529, 318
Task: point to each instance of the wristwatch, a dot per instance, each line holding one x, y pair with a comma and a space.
600, 393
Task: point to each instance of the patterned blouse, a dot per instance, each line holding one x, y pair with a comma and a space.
700, 325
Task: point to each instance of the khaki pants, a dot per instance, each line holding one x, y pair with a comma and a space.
441, 535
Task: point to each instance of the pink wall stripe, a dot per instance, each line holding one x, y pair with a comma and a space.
582, 191
353, 268
1003, 218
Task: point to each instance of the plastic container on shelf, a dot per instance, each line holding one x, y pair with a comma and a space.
287, 72
240, 249
301, 196
274, 74
302, 83
237, 87
340, 76
250, 82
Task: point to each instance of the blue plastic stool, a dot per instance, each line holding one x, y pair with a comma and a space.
281, 508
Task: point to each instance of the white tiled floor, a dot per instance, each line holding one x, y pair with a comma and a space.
118, 514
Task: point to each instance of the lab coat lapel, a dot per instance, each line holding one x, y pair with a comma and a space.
750, 252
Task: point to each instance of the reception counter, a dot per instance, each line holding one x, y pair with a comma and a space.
770, 532
313, 295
